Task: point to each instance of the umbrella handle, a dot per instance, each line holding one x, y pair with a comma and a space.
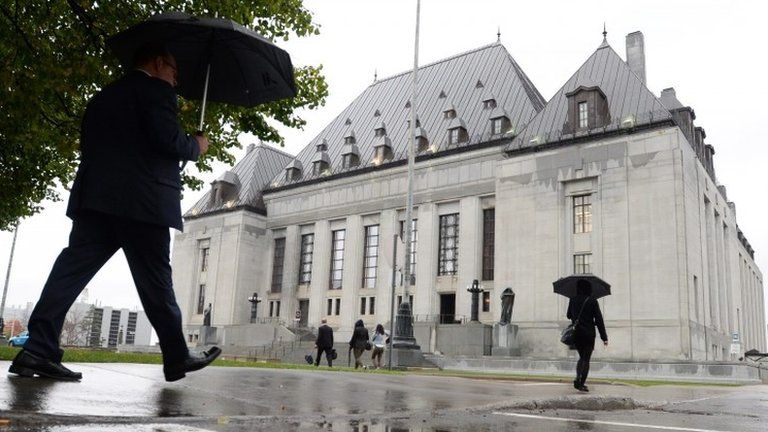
205, 98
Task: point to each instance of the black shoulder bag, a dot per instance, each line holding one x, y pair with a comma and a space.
568, 336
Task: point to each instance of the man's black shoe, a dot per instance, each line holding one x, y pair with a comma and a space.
27, 364
192, 363
583, 388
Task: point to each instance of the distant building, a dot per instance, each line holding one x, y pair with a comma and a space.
511, 189
112, 327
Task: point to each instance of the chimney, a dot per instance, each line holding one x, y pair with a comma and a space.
636, 54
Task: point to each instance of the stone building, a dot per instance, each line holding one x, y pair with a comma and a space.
510, 189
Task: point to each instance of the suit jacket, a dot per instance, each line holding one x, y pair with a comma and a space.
131, 145
591, 317
324, 337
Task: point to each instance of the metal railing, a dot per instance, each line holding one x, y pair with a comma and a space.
441, 318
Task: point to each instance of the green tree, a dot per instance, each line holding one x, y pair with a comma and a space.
53, 58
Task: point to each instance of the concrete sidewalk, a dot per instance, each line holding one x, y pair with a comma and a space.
221, 397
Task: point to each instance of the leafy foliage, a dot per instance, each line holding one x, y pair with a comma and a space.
53, 58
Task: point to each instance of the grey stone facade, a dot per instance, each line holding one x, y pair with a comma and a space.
661, 231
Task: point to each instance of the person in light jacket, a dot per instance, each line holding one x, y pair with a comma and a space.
586, 311
359, 342
379, 342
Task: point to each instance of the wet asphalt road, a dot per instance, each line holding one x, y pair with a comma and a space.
123, 397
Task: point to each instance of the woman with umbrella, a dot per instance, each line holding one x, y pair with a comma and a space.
584, 312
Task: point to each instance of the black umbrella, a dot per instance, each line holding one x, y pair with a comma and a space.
218, 59
567, 286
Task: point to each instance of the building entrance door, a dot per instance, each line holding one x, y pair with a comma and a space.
447, 308
304, 309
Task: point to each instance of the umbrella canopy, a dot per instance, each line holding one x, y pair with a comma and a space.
567, 286
245, 68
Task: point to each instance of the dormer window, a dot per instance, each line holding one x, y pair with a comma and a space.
292, 174
321, 163
500, 123
349, 138
497, 128
350, 160
293, 171
422, 143
489, 101
350, 156
587, 109
583, 115
382, 148
319, 167
225, 189
453, 136
449, 112
380, 130
457, 132
323, 146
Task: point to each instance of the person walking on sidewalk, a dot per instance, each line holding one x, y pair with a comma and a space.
324, 343
126, 195
379, 342
586, 311
359, 342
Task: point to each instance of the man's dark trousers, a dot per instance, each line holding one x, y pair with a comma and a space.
327, 351
95, 237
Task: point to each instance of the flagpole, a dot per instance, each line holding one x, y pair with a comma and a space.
403, 337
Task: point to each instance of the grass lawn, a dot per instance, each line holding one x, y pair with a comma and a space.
82, 355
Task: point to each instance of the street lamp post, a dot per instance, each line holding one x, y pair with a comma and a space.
403, 337
475, 290
255, 300
5, 287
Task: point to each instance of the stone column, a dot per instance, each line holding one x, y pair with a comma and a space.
352, 272
424, 297
321, 266
388, 227
470, 251
290, 271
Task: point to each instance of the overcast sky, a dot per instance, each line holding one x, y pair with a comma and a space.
711, 52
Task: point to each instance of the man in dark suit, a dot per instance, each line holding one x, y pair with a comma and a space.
126, 195
324, 343
586, 310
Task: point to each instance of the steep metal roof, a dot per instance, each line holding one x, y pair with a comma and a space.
629, 101
253, 173
462, 80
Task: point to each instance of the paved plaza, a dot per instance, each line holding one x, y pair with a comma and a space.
123, 397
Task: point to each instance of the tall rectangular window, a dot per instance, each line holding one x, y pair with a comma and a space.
448, 261
370, 256
582, 263
274, 308
414, 240
371, 305
489, 228
453, 136
201, 299
337, 258
363, 305
277, 265
496, 125
205, 253
329, 310
486, 301
305, 261
583, 115
338, 306
582, 214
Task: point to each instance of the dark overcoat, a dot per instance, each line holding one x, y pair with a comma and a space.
590, 318
131, 145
